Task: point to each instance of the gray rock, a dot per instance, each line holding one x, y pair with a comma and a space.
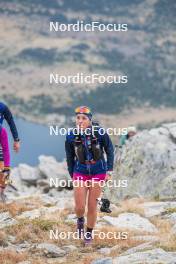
19, 247
102, 261
65, 203
52, 170
163, 131
71, 218
153, 208
168, 186
131, 221
157, 208
104, 251
171, 217
173, 132
25, 187
50, 250
6, 220
29, 180
15, 177
154, 256
28, 174
22, 247
60, 195
30, 214
101, 224
62, 201
25, 244
69, 248
141, 247
36, 213
169, 125
148, 164
146, 238
174, 230
48, 200
43, 183
11, 239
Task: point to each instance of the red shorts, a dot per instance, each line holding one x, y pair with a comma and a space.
83, 177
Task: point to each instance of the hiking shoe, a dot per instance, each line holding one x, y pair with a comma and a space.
88, 238
80, 227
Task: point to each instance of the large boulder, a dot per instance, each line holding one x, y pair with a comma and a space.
49, 168
148, 164
28, 174
24, 179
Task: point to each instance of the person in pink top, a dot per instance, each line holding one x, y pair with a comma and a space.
5, 164
5, 146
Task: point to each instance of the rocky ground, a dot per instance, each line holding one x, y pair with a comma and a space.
37, 209
144, 219
25, 225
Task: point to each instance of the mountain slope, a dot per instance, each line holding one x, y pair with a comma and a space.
145, 53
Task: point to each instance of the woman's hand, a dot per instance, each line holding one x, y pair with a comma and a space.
16, 146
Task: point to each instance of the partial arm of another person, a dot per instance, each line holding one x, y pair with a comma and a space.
5, 148
9, 118
6, 157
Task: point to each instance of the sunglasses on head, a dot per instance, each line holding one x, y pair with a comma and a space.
82, 110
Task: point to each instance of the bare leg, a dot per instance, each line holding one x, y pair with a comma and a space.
94, 193
80, 194
1, 165
2, 195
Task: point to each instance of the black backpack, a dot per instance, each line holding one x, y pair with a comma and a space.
94, 148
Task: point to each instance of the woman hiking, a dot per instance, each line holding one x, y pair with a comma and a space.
86, 164
4, 160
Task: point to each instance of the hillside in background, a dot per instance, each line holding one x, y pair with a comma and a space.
29, 52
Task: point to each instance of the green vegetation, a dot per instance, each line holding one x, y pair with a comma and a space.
39, 55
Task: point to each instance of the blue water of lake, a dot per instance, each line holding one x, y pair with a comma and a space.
35, 141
